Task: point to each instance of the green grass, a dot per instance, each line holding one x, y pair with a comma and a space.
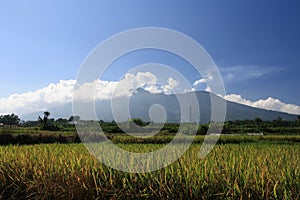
230, 171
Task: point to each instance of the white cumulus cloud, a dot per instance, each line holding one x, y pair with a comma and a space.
268, 104
198, 84
56, 94
52, 95
172, 83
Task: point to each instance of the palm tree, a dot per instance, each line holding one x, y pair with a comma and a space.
44, 121
46, 115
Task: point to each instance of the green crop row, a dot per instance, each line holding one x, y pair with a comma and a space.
46, 138
223, 139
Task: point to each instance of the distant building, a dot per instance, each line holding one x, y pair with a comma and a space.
255, 134
215, 134
249, 134
74, 122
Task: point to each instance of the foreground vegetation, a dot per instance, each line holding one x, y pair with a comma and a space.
230, 171
239, 166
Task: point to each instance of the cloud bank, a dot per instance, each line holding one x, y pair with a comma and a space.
268, 104
62, 92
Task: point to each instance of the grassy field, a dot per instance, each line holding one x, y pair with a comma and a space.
230, 171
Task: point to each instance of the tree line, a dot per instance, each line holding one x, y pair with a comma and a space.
44, 122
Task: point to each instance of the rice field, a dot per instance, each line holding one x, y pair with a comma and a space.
230, 171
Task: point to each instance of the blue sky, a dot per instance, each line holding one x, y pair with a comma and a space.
255, 44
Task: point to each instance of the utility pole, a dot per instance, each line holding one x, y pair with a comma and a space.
190, 114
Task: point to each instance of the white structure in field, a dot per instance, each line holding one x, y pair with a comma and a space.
250, 134
255, 134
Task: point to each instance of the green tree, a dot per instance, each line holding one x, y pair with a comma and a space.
11, 119
44, 120
138, 121
47, 124
278, 122
226, 128
258, 122
202, 129
298, 120
136, 124
74, 118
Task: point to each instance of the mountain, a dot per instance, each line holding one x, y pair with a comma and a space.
142, 101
